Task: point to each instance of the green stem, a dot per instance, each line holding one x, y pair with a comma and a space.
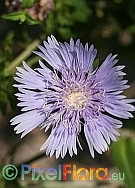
25, 54
33, 60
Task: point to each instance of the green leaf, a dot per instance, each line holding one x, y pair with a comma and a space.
27, 3
13, 16
123, 154
31, 21
22, 18
95, 64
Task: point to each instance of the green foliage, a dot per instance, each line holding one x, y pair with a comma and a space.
95, 64
66, 14
21, 16
27, 3
78, 10
6, 78
61, 19
5, 82
123, 153
30, 20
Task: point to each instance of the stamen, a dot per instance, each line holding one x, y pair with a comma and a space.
77, 99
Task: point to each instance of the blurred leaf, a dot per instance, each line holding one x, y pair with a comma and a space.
21, 16
27, 3
14, 16
6, 51
95, 64
31, 21
65, 15
123, 154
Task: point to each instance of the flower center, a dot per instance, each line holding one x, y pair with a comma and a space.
77, 99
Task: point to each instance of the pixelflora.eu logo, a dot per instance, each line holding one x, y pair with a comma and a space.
62, 172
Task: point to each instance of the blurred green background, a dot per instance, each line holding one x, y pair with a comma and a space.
110, 26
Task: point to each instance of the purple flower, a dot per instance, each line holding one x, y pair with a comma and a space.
71, 96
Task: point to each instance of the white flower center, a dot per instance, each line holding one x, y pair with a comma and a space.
77, 99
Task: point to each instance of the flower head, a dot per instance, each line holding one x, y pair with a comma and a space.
71, 96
